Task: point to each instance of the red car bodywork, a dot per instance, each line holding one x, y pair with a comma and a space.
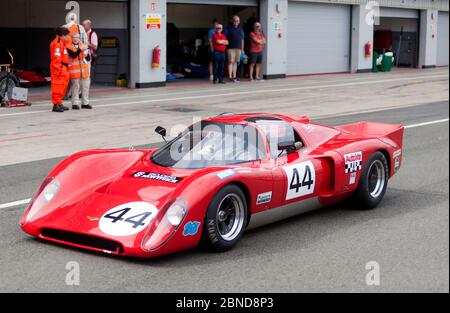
94, 182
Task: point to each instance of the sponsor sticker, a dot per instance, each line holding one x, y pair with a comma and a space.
397, 153
264, 198
191, 228
353, 162
156, 176
225, 174
352, 178
397, 164
127, 219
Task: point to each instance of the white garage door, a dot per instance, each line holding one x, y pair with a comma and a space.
442, 54
217, 2
318, 38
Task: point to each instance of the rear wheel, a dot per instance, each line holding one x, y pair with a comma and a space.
226, 219
7, 83
373, 182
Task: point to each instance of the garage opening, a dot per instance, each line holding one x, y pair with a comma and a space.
188, 24
28, 27
398, 32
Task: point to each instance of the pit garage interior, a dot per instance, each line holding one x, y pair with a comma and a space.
398, 31
28, 26
188, 23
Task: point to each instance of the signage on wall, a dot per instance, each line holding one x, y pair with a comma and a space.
277, 26
153, 21
153, 6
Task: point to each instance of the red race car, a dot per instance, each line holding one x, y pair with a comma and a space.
213, 181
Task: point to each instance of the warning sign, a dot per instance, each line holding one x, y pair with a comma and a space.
153, 21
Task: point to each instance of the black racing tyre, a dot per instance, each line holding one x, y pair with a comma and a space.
7, 83
373, 182
226, 219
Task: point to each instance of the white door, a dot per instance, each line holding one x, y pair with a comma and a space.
318, 38
442, 37
218, 2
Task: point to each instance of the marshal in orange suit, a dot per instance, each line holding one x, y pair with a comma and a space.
59, 68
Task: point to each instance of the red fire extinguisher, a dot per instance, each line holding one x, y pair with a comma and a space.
156, 57
368, 50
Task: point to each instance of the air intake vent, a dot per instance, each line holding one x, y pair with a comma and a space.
89, 242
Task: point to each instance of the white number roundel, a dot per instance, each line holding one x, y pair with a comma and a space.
127, 219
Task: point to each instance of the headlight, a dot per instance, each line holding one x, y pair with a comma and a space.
49, 189
175, 214
165, 225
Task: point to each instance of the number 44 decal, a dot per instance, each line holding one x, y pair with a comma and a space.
301, 180
127, 219
137, 220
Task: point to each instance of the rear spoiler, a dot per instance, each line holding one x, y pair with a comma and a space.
391, 134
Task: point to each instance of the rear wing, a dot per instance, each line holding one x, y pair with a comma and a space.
391, 134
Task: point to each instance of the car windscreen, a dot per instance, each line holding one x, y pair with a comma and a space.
208, 144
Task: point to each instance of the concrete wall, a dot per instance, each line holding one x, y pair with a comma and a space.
428, 38
275, 12
442, 5
51, 13
362, 33
143, 41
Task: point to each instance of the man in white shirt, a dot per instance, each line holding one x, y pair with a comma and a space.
92, 43
92, 38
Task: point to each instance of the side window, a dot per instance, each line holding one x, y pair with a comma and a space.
278, 132
291, 136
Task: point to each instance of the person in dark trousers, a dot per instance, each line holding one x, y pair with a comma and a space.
236, 37
220, 43
257, 42
211, 33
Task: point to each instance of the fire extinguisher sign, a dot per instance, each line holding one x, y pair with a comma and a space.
153, 21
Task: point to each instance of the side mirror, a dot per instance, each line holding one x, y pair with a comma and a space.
288, 146
161, 131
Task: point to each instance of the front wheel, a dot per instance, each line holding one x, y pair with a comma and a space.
225, 219
373, 182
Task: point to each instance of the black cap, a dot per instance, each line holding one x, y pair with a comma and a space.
62, 31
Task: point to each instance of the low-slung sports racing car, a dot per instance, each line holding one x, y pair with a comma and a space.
209, 184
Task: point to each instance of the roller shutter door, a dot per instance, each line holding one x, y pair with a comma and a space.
442, 35
318, 38
217, 2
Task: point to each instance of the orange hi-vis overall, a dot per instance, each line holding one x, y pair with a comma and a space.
74, 29
78, 67
59, 71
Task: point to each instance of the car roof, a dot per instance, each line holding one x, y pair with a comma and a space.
246, 118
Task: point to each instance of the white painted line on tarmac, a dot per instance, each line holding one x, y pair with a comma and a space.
240, 93
26, 201
15, 203
427, 123
211, 91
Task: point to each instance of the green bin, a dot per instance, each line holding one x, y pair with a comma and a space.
386, 64
374, 62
